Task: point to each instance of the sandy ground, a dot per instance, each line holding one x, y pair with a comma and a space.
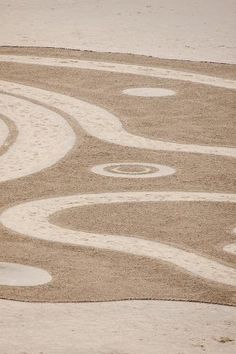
183, 29
131, 327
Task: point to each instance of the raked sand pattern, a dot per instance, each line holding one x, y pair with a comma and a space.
51, 126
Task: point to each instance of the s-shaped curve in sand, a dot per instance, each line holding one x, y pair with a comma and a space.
103, 125
31, 219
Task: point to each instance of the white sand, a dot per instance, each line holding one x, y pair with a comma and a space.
13, 274
183, 29
129, 327
149, 92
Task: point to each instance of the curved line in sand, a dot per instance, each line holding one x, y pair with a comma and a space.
103, 125
148, 71
44, 137
31, 219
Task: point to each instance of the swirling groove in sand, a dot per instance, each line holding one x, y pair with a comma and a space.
31, 219
103, 125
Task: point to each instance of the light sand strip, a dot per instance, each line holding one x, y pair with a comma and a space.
148, 92
122, 69
4, 132
44, 138
150, 327
31, 219
103, 125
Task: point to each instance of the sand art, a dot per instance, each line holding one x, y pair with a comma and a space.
95, 121
46, 137
31, 219
103, 125
122, 68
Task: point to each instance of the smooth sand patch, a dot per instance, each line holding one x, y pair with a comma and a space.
132, 327
183, 29
13, 274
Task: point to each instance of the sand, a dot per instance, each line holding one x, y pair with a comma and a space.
30, 152
132, 327
91, 90
167, 237
13, 274
183, 29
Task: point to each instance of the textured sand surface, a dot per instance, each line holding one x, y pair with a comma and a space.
183, 29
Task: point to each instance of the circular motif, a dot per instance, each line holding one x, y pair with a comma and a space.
133, 170
13, 274
149, 92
